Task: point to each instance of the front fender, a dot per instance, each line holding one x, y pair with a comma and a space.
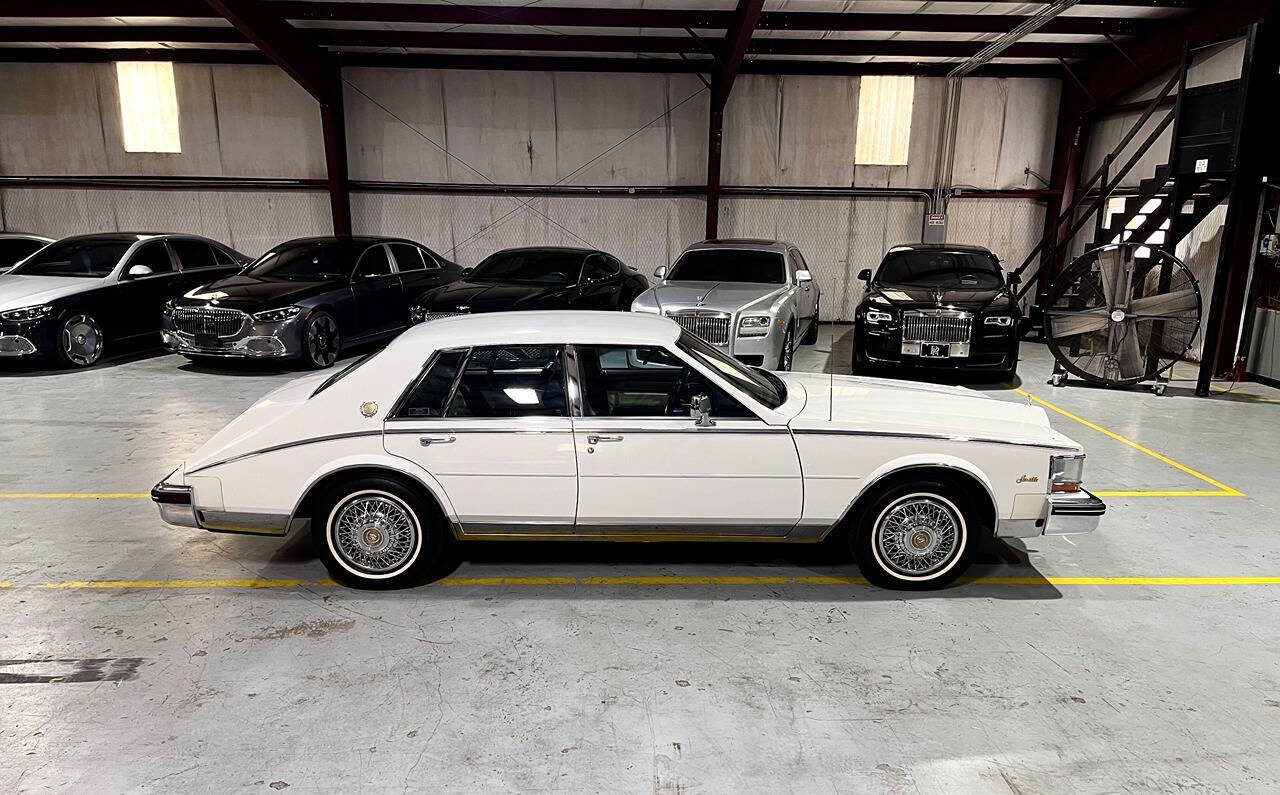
921, 461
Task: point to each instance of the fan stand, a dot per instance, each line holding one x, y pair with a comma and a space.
1060, 377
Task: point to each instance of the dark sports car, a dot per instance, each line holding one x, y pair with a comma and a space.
79, 297
938, 305
307, 299
536, 278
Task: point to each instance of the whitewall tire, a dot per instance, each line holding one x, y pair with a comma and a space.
915, 536
376, 533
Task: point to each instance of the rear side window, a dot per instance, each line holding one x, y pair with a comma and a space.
15, 248
428, 396
193, 254
408, 258
511, 382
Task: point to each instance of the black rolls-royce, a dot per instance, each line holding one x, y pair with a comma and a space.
536, 278
938, 305
306, 299
80, 296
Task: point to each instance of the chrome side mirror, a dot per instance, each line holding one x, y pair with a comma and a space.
138, 271
803, 276
700, 410
660, 273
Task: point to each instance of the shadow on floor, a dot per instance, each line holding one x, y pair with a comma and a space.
50, 365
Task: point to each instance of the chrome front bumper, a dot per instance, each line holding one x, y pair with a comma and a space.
1077, 512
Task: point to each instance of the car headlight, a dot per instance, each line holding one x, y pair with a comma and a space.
1066, 472
878, 316
27, 313
754, 325
999, 320
277, 315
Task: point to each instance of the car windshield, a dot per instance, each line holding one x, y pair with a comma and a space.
729, 265
764, 387
320, 259
92, 258
957, 269
529, 267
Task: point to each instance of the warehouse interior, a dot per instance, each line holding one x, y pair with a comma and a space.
140, 656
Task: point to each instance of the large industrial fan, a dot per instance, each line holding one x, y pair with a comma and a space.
1121, 314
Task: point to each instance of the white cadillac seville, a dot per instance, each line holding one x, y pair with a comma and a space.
623, 427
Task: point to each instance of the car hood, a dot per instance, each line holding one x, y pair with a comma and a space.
885, 406
722, 296
904, 296
487, 296
251, 294
18, 291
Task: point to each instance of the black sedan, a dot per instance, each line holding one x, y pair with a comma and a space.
938, 305
306, 300
536, 278
81, 296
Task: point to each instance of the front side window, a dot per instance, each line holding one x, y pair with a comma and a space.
529, 267
514, 381
94, 258
766, 388
374, 263
306, 261
645, 382
951, 269
729, 265
153, 255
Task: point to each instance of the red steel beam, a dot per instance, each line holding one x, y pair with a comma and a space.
728, 63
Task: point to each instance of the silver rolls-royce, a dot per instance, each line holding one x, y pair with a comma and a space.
753, 299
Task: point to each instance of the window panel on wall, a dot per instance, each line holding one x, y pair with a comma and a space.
884, 120
148, 106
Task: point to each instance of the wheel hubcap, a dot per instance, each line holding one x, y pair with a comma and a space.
375, 534
918, 536
82, 340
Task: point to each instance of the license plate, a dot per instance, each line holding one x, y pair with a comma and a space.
207, 341
930, 350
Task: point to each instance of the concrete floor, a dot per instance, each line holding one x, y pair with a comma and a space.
769, 683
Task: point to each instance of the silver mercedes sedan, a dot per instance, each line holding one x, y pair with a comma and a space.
754, 299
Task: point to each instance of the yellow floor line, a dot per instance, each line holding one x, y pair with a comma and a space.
653, 581
71, 495
1223, 489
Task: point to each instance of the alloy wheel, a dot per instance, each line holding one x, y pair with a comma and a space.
82, 340
322, 340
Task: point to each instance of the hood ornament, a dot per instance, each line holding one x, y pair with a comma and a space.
938, 295
701, 298
464, 308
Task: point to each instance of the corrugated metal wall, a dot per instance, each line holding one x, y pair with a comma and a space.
534, 128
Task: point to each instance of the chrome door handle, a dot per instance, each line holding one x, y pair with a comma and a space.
594, 438
427, 441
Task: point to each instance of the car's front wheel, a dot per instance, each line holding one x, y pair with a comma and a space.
787, 357
376, 533
80, 341
915, 536
321, 341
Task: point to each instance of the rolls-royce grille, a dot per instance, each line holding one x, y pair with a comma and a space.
712, 328
921, 327
209, 320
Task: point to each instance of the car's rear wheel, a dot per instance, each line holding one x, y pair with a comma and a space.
375, 533
916, 536
321, 342
80, 341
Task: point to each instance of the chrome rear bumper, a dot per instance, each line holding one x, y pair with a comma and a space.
1076, 512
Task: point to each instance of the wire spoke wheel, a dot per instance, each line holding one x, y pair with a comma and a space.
1122, 313
322, 340
918, 535
82, 340
374, 533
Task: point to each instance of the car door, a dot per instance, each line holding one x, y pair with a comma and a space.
492, 425
599, 282
806, 293
419, 272
646, 469
377, 293
197, 263
139, 299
